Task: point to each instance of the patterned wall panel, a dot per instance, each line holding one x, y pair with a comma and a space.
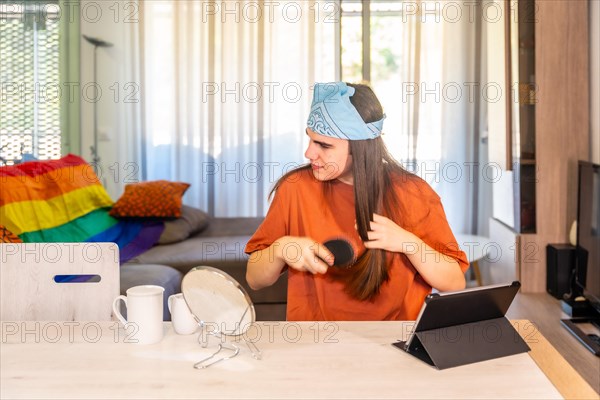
29, 75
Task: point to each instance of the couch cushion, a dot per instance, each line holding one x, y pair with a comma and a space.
199, 250
7, 236
152, 199
239, 226
192, 220
221, 244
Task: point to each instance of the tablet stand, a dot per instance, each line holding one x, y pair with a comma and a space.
468, 343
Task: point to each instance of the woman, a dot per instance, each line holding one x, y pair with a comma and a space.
354, 189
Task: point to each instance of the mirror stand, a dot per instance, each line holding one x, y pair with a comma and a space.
223, 309
224, 345
256, 354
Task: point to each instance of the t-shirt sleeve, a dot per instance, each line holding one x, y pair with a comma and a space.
275, 224
430, 224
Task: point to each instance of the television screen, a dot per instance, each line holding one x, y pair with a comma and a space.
588, 232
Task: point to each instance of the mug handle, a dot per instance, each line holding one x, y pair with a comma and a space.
116, 311
170, 301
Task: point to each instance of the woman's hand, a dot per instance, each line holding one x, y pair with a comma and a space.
300, 253
387, 235
441, 272
304, 254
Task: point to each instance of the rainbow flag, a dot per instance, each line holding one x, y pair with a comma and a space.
64, 201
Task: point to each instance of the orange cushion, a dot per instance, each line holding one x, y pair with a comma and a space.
7, 236
151, 199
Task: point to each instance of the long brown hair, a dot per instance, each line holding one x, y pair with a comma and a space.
372, 168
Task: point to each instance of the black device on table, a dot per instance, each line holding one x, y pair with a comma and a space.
587, 257
466, 326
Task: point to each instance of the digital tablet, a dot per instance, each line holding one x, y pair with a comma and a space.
442, 310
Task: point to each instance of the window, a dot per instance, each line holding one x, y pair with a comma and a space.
398, 50
29, 76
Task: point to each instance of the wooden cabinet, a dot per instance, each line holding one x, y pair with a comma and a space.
539, 138
521, 110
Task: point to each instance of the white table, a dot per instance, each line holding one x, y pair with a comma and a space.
476, 248
300, 360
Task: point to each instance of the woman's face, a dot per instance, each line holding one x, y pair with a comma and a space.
329, 157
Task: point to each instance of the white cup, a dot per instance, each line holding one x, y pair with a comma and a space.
182, 319
144, 313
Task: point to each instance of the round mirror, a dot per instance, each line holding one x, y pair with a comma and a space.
218, 301
221, 306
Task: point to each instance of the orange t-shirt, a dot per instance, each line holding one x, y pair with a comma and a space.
301, 208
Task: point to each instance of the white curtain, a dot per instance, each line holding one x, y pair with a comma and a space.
433, 104
226, 91
460, 166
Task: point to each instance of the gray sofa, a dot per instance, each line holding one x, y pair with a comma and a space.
220, 245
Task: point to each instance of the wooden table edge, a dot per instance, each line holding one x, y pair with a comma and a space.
562, 375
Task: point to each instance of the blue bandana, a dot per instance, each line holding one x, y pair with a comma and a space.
332, 114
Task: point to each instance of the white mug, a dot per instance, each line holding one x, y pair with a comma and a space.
144, 313
182, 319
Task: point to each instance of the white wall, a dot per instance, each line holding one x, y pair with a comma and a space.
114, 22
502, 188
496, 75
